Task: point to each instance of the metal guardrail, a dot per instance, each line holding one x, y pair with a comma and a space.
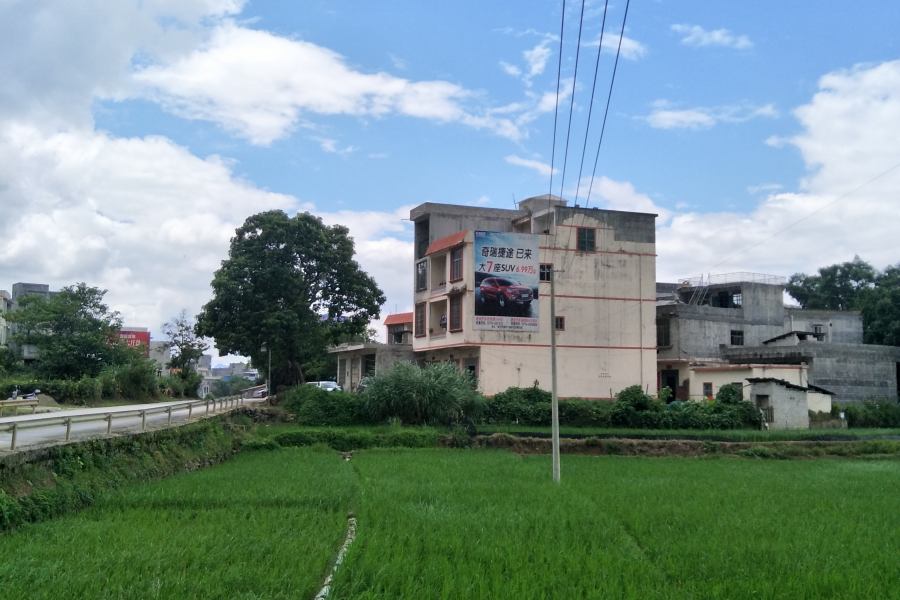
62, 420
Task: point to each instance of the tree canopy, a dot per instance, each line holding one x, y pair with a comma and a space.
855, 285
836, 287
291, 284
73, 331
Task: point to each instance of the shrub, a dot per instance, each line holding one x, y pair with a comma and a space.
878, 412
316, 407
729, 394
436, 394
525, 406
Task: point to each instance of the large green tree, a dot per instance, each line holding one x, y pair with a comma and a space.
291, 284
836, 287
73, 331
855, 285
880, 307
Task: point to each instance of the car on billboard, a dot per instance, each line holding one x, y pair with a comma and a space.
505, 292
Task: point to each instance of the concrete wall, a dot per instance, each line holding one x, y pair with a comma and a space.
839, 326
789, 405
853, 372
607, 298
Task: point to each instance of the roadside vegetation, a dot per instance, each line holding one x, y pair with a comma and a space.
79, 359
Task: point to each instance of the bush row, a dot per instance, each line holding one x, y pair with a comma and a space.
132, 381
352, 439
632, 409
881, 413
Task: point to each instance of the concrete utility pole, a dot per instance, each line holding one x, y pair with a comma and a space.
555, 397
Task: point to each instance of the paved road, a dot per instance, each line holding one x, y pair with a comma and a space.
83, 426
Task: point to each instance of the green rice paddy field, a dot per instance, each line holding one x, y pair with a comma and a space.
477, 524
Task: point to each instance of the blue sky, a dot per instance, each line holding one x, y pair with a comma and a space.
135, 136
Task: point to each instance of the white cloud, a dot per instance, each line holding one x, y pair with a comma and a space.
258, 85
764, 187
665, 116
150, 222
537, 58
536, 165
510, 69
57, 56
617, 195
329, 145
631, 48
849, 136
694, 35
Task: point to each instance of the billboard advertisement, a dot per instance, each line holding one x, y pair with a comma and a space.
507, 275
136, 338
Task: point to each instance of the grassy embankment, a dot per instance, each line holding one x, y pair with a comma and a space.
461, 524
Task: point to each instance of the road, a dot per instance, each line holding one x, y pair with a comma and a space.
90, 422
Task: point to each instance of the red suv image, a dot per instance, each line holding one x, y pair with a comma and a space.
505, 292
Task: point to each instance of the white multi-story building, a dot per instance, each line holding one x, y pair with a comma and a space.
605, 263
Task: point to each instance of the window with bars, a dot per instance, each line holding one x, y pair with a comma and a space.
737, 337
587, 239
456, 313
456, 264
546, 272
421, 275
707, 390
420, 320
560, 323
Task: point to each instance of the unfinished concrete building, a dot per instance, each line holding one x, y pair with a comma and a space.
738, 324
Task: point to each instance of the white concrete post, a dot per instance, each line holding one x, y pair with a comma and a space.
143, 419
12, 445
68, 428
555, 396
169, 416
190, 409
108, 423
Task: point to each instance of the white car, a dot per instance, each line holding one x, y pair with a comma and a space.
328, 386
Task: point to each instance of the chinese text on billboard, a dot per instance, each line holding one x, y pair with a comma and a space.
507, 274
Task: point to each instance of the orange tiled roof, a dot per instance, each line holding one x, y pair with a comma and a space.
451, 240
399, 319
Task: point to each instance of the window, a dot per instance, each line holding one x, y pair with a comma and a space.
421, 275
818, 329
369, 364
546, 272
456, 264
737, 337
737, 300
587, 237
420, 320
456, 312
663, 337
560, 323
472, 367
707, 389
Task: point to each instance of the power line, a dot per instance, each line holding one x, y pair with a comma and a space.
562, 28
591, 105
562, 181
612, 82
608, 99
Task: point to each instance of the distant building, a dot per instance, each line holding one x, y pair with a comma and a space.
360, 359
735, 327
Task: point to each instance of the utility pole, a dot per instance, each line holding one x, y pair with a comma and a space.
555, 397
